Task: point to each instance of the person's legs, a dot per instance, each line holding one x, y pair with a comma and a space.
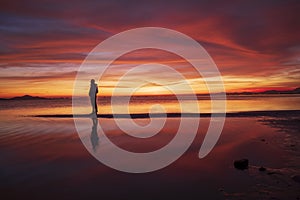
95, 102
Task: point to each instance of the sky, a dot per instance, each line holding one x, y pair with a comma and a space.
255, 44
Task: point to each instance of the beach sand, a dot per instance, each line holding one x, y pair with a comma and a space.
44, 158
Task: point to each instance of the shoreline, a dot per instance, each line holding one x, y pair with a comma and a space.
271, 113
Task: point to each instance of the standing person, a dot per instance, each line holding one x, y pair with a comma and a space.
93, 96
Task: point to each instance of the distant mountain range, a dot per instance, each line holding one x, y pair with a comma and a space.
295, 91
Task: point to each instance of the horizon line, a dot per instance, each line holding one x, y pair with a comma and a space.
143, 95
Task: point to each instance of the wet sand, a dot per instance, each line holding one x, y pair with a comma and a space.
269, 113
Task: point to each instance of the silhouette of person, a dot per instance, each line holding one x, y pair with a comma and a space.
94, 134
93, 96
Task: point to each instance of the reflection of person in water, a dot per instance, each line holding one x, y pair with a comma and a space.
94, 134
93, 95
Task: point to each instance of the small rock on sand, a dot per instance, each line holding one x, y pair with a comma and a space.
262, 169
241, 164
296, 178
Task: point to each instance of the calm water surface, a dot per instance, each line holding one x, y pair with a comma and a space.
144, 105
43, 158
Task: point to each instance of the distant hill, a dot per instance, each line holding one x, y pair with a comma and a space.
25, 97
297, 90
294, 91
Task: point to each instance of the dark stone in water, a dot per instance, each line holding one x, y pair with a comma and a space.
241, 164
262, 169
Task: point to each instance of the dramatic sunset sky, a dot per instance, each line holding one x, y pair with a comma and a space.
255, 44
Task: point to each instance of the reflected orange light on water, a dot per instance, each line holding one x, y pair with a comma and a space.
151, 105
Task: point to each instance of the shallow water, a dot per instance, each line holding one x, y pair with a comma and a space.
234, 103
45, 158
